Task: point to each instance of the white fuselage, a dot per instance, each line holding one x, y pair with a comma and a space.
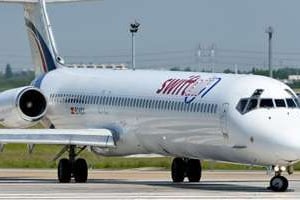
180, 114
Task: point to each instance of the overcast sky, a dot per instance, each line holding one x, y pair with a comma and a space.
100, 28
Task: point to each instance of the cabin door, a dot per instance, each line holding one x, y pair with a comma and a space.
224, 120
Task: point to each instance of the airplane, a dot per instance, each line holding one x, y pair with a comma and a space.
190, 116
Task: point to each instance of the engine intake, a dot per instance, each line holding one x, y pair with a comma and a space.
32, 104
22, 107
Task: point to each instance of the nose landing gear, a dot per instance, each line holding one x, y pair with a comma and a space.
279, 183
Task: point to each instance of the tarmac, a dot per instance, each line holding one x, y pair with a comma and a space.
142, 184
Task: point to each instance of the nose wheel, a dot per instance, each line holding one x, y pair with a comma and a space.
279, 184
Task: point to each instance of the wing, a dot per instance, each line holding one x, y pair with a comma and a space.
84, 137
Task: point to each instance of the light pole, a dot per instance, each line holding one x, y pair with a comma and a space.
212, 56
133, 29
270, 32
199, 54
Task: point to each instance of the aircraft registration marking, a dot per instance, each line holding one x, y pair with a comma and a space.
77, 110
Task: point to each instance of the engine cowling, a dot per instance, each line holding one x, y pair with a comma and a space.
22, 107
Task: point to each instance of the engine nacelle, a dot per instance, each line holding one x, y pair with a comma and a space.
22, 107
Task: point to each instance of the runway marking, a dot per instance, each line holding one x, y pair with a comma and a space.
140, 185
145, 196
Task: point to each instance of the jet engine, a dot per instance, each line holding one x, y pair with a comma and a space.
22, 107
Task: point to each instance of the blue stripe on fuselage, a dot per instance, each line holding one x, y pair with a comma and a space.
49, 58
37, 82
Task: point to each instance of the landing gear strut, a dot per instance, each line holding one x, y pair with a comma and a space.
190, 168
72, 167
279, 183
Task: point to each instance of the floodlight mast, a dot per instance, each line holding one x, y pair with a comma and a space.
270, 32
133, 29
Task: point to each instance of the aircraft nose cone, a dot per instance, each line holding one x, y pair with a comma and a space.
288, 139
276, 132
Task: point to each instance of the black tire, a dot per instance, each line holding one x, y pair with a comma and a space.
80, 171
64, 171
193, 170
279, 184
178, 170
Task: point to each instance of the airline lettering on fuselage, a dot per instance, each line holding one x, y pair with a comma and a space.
189, 88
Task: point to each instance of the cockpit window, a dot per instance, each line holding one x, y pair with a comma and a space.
294, 97
297, 102
251, 105
241, 105
291, 103
280, 103
266, 103
257, 93
255, 101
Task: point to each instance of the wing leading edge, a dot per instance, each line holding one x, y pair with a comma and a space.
83, 137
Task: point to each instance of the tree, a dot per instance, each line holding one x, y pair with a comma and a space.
8, 71
187, 69
175, 69
228, 71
